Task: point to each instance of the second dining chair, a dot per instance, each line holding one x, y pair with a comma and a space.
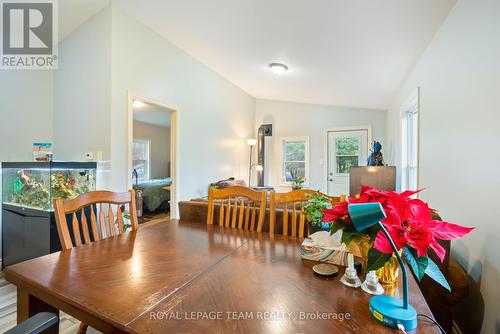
238, 207
295, 201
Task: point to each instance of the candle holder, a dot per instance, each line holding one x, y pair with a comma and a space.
350, 277
371, 284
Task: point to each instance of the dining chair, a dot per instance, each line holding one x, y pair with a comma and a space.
238, 207
99, 206
295, 200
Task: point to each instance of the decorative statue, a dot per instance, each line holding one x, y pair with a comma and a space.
376, 158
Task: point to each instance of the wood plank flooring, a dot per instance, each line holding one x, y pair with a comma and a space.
8, 311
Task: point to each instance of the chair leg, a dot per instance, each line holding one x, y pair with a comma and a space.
83, 328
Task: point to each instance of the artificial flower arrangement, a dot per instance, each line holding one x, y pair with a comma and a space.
409, 222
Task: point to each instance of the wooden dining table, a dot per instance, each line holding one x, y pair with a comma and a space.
189, 277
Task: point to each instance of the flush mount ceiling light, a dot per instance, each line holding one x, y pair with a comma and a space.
278, 68
138, 104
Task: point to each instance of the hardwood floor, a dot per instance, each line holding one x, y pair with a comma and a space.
8, 300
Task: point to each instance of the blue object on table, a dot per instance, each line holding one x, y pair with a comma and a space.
390, 311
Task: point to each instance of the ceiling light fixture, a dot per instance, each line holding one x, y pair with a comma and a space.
278, 68
138, 104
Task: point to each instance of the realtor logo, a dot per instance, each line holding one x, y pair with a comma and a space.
29, 34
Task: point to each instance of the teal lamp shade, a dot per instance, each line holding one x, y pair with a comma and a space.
365, 215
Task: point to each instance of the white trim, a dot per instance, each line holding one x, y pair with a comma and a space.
174, 188
326, 161
307, 161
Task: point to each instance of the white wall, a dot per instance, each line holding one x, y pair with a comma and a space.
82, 88
25, 114
291, 119
213, 116
159, 145
459, 78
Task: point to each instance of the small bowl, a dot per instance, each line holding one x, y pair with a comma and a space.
325, 269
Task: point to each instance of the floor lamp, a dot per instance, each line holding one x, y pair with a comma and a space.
251, 142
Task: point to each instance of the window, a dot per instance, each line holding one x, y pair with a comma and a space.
295, 158
409, 177
347, 151
141, 158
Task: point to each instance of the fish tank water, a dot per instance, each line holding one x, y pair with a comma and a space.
34, 184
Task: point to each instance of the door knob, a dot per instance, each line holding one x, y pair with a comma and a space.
331, 180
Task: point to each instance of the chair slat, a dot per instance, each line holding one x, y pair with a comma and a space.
76, 230
294, 221
302, 221
228, 212
235, 213
85, 226
242, 211
262, 212
247, 215
62, 224
285, 219
111, 221
119, 216
102, 222
93, 223
272, 213
252, 221
221, 214
210, 213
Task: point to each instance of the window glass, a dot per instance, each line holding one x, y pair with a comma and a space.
347, 153
140, 158
409, 154
294, 159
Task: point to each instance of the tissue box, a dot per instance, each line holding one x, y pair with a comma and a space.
323, 247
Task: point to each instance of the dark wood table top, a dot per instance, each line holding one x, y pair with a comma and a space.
194, 278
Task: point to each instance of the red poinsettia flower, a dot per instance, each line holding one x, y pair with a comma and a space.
419, 230
339, 211
408, 221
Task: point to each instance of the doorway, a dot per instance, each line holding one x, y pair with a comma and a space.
152, 157
346, 148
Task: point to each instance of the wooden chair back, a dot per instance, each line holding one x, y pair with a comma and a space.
295, 201
99, 206
238, 207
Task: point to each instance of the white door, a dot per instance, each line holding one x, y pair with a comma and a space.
346, 149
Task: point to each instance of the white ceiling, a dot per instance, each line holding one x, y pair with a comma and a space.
340, 52
152, 114
72, 13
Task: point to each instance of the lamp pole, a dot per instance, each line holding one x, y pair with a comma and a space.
250, 167
251, 142
401, 265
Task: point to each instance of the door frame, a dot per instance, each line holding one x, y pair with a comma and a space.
174, 188
326, 163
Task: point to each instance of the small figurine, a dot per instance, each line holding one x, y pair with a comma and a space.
376, 158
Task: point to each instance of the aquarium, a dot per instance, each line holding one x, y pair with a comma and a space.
34, 184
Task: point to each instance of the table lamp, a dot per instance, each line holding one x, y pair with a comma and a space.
390, 311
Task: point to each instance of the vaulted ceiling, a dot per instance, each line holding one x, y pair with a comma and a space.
339, 52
